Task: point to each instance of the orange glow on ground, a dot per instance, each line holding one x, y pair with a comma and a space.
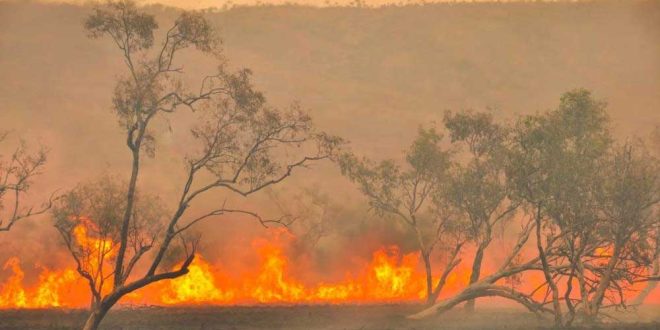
389, 276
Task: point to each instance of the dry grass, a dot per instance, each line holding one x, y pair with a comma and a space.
306, 317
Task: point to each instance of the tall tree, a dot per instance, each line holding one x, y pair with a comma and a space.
552, 167
413, 195
88, 219
240, 146
478, 187
557, 167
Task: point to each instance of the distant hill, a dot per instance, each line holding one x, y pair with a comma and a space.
371, 75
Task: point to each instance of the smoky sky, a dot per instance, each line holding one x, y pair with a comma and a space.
371, 76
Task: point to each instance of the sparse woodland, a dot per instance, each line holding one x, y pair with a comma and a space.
587, 202
582, 205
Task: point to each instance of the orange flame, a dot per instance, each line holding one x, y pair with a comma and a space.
384, 279
49, 291
390, 276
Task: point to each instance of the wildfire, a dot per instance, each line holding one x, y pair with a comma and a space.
390, 276
50, 290
198, 286
386, 278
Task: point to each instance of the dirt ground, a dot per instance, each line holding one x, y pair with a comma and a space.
305, 317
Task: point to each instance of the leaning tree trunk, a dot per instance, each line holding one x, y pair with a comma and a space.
429, 278
650, 286
95, 317
476, 272
478, 291
604, 282
546, 272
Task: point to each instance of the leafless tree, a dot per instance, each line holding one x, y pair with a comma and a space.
17, 173
241, 144
312, 212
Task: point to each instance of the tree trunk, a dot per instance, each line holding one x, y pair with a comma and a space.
476, 272
477, 291
130, 199
429, 278
95, 317
567, 298
605, 281
556, 307
584, 293
453, 262
655, 272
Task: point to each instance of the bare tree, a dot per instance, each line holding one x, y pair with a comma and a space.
241, 145
16, 177
312, 210
414, 196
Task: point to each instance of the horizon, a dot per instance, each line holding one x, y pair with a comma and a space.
220, 4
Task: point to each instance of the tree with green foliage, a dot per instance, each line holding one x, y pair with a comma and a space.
591, 204
17, 173
478, 187
240, 145
414, 195
627, 226
554, 167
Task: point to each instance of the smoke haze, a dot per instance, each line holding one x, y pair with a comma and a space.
370, 75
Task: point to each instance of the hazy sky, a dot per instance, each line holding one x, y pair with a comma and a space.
198, 4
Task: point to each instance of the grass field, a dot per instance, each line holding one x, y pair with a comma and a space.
306, 317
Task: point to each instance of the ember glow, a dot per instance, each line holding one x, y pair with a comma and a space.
390, 276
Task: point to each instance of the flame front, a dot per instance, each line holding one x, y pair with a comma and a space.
390, 276
385, 279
